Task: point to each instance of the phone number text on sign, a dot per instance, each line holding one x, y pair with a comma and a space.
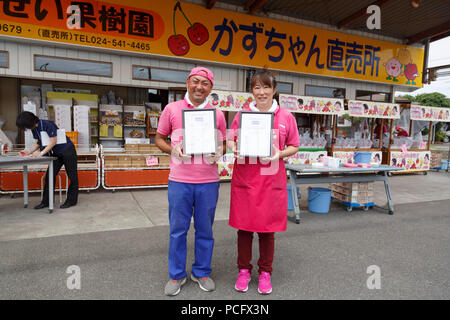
92, 39
10, 28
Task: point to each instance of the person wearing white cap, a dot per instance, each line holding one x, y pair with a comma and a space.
193, 188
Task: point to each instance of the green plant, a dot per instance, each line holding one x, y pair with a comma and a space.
440, 136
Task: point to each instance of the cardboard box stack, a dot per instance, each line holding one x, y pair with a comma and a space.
111, 161
360, 193
124, 161
164, 161
131, 148
141, 148
154, 149
138, 161
436, 158
144, 148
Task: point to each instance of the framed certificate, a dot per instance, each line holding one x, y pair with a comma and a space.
255, 137
199, 131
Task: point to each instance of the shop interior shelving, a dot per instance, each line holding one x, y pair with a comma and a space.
111, 116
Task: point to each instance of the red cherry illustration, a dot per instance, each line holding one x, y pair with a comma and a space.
178, 44
198, 34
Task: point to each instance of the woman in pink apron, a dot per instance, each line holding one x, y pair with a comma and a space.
258, 188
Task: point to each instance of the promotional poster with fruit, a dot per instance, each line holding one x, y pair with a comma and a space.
377, 109
178, 29
348, 157
411, 160
423, 113
314, 105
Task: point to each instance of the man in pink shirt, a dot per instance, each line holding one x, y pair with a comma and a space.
193, 185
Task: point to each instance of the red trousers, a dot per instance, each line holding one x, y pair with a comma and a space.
266, 250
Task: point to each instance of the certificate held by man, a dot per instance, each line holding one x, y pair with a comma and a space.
255, 134
199, 131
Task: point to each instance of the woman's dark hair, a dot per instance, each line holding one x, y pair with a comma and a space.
26, 120
265, 77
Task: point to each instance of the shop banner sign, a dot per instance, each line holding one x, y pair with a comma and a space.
306, 157
171, 28
314, 105
411, 161
225, 166
368, 109
430, 113
230, 100
376, 157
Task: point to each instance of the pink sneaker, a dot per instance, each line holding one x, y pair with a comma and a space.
243, 280
264, 286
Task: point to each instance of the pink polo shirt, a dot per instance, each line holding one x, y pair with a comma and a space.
197, 170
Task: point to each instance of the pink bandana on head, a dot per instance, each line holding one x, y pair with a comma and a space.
203, 72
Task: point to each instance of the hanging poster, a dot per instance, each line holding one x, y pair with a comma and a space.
411, 161
306, 157
62, 117
348, 157
371, 109
230, 100
81, 124
314, 105
430, 113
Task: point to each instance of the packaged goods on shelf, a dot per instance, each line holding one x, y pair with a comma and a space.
153, 119
111, 119
136, 134
134, 119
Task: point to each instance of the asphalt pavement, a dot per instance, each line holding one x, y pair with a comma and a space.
339, 255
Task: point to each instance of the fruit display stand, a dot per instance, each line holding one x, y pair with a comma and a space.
416, 156
319, 116
140, 166
367, 112
11, 178
326, 110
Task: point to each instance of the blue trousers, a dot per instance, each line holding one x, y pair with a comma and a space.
187, 200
